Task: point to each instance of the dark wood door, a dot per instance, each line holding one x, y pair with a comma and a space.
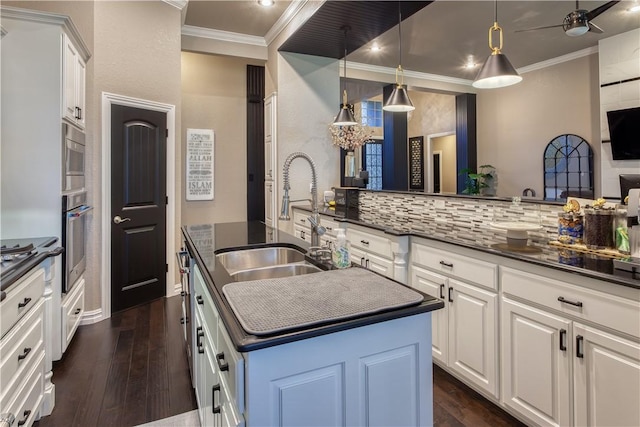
436, 173
138, 206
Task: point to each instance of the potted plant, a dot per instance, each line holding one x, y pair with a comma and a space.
481, 182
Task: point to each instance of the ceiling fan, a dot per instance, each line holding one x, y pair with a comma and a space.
578, 22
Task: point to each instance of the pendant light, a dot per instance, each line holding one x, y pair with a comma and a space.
399, 100
345, 116
497, 71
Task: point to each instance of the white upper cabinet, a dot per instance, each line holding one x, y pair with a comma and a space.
74, 80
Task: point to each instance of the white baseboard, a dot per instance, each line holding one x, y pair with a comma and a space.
91, 317
177, 288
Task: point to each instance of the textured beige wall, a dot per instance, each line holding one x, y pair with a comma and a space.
434, 113
447, 144
214, 97
516, 123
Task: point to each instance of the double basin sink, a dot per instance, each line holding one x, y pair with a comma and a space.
265, 263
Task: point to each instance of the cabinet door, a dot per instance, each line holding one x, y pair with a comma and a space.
536, 364
472, 334
80, 79
606, 371
357, 256
268, 203
435, 285
268, 160
379, 265
70, 58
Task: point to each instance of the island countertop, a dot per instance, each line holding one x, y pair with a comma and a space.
205, 241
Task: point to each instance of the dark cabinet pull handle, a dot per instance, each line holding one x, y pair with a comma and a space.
199, 334
24, 303
442, 291
446, 264
579, 347
563, 340
75, 112
78, 310
328, 228
79, 113
566, 301
362, 261
224, 366
24, 354
364, 242
199, 299
215, 408
450, 294
26, 414
367, 263
182, 293
182, 321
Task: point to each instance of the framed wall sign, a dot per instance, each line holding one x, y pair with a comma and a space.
199, 170
416, 163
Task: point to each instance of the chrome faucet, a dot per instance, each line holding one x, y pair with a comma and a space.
316, 229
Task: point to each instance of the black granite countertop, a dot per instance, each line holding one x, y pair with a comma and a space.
538, 251
12, 271
205, 241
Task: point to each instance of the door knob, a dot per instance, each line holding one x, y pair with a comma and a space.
118, 220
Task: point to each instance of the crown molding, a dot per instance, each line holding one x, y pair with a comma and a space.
284, 20
407, 73
559, 60
178, 4
49, 18
226, 36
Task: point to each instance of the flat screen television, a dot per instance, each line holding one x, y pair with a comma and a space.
627, 182
624, 132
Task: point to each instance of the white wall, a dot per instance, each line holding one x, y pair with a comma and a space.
619, 60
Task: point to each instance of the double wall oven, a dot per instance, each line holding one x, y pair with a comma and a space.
74, 206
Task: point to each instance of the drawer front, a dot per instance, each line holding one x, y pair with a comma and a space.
25, 403
230, 415
231, 368
331, 226
455, 265
302, 232
20, 346
207, 310
20, 299
72, 310
300, 218
371, 243
607, 310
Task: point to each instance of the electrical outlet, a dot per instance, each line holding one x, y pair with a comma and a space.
438, 204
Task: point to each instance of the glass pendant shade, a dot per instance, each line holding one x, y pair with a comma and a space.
399, 101
496, 72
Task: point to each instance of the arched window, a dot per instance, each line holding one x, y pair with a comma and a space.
568, 168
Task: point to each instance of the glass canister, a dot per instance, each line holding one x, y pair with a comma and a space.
570, 227
598, 227
621, 231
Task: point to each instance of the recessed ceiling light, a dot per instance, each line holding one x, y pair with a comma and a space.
635, 8
266, 3
375, 48
470, 63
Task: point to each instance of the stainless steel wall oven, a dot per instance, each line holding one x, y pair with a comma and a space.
74, 219
73, 159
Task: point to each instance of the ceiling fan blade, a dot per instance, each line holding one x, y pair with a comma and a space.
598, 10
538, 28
594, 28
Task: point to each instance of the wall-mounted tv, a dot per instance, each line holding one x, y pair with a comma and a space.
624, 131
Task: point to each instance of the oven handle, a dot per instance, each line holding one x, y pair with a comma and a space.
182, 255
76, 213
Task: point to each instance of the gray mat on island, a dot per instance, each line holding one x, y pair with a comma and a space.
268, 306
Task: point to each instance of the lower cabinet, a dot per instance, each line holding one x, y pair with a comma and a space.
377, 374
72, 310
371, 261
560, 364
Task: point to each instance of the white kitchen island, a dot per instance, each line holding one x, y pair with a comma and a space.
374, 370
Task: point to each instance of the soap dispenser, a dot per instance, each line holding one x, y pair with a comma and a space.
340, 254
633, 228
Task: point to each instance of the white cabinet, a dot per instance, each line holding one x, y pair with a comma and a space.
378, 374
74, 81
72, 310
466, 331
22, 349
570, 355
270, 160
380, 252
302, 227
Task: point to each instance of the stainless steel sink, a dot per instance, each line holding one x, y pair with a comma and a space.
249, 259
286, 270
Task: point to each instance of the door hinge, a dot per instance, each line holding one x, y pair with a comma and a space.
167, 133
166, 200
166, 266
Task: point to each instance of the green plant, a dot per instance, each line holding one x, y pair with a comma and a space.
475, 182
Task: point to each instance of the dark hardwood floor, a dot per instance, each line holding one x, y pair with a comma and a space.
124, 371
132, 369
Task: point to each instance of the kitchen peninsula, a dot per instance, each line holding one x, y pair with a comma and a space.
366, 369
